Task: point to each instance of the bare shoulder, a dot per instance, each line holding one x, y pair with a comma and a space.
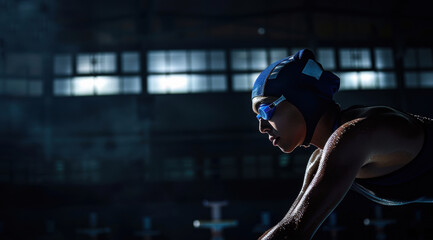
381, 137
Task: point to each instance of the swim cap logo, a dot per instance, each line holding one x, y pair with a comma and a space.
312, 69
277, 69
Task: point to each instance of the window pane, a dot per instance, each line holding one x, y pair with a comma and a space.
228, 167
411, 79
178, 83
177, 61
240, 82
293, 51
157, 84
63, 65
326, 57
387, 80
218, 83
168, 84
28, 64
258, 59
349, 80
425, 58
131, 84
277, 54
130, 62
106, 62
410, 58
426, 79
82, 86
198, 61
107, 85
252, 79
157, 61
62, 87
35, 88
96, 63
217, 60
355, 58
249, 167
383, 58
17, 87
239, 60
199, 83
367, 80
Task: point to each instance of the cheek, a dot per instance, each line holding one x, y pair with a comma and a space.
291, 129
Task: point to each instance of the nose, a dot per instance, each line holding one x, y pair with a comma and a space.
264, 126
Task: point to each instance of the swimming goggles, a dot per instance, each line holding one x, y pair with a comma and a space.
267, 110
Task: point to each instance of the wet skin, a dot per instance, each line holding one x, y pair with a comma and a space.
370, 142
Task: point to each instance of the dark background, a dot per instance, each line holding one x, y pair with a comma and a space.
122, 157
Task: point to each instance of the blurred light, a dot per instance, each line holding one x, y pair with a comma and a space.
63, 65
198, 60
196, 223
367, 222
239, 59
367, 80
156, 61
131, 84
130, 62
217, 60
277, 54
106, 85
96, 63
35, 88
383, 58
426, 79
261, 30
199, 83
326, 56
177, 83
218, 83
177, 61
82, 86
358, 58
258, 59
348, 80
62, 87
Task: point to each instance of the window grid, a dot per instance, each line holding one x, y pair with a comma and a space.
365, 68
186, 71
88, 74
21, 74
418, 66
246, 65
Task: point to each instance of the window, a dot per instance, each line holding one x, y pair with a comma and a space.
418, 64
257, 166
96, 74
383, 58
21, 74
248, 63
326, 57
355, 58
186, 71
367, 80
175, 169
96, 63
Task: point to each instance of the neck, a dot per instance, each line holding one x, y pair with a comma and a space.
325, 126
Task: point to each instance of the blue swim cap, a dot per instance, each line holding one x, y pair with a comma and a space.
303, 82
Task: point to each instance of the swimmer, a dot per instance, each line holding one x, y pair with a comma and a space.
381, 152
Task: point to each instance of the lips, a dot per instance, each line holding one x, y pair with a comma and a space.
274, 140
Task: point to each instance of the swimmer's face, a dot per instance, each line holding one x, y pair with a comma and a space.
286, 129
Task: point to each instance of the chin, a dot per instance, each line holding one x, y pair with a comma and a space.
285, 149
